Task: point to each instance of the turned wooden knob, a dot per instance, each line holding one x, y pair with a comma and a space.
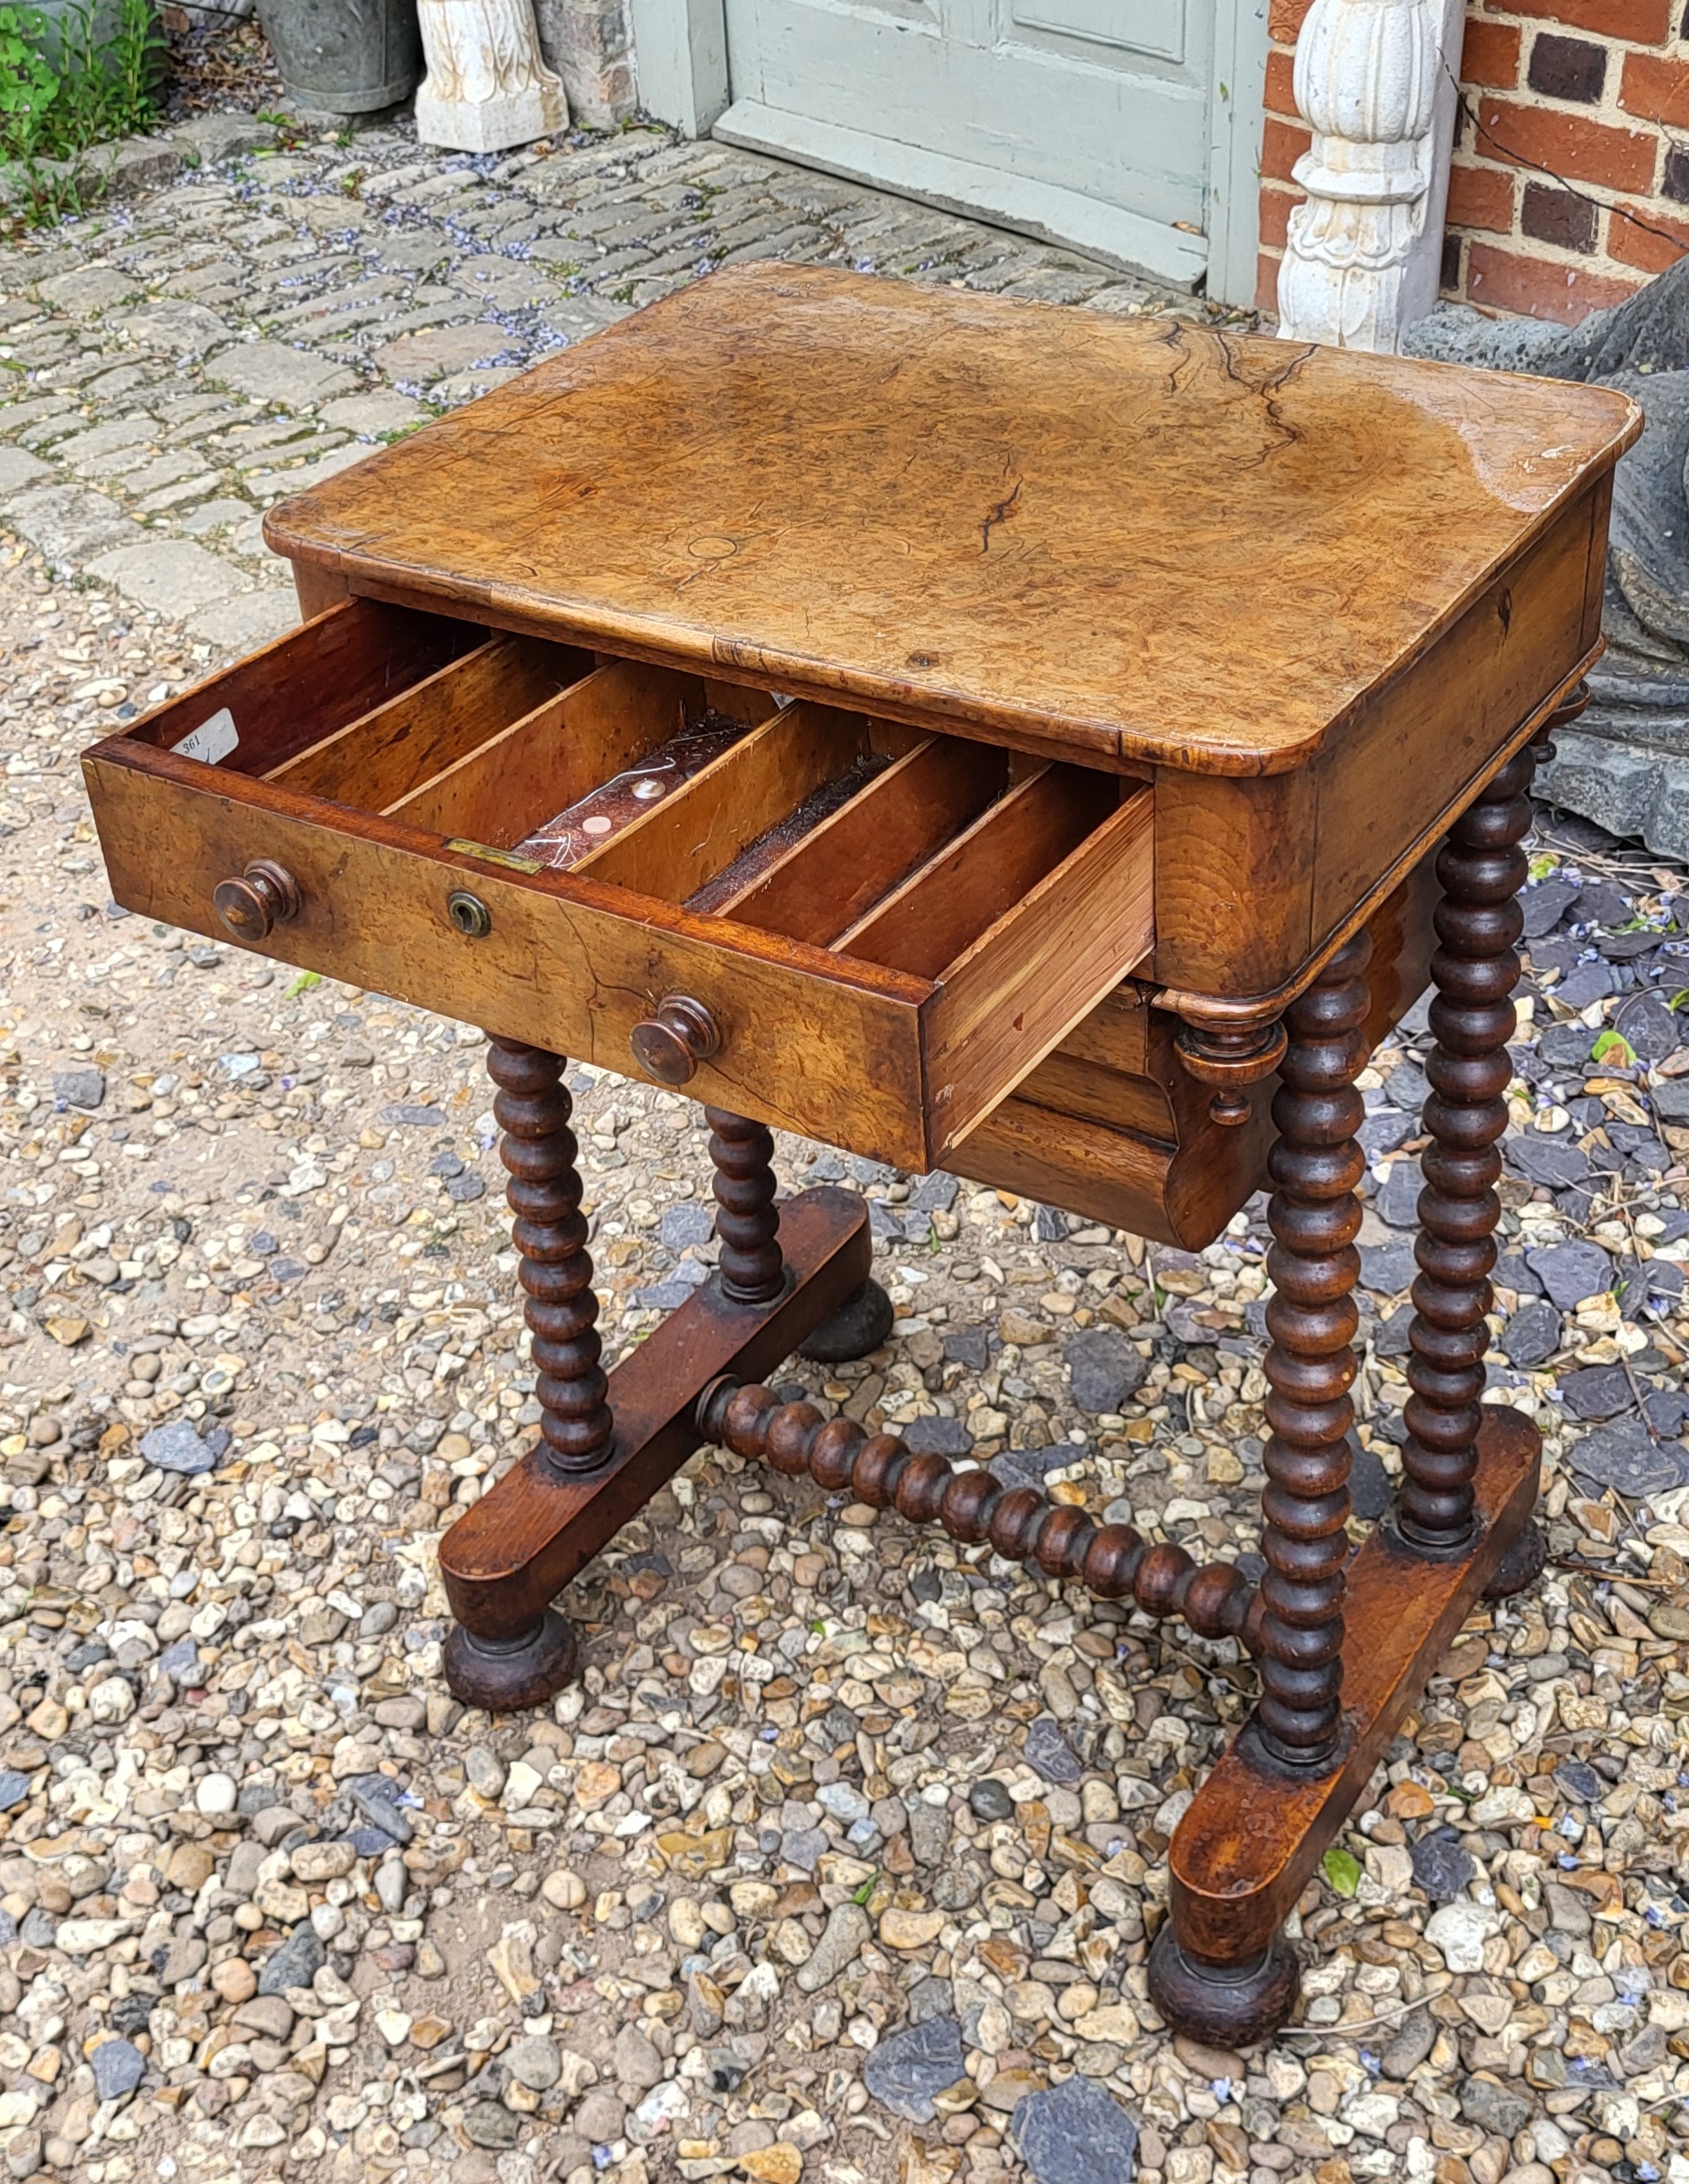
1230, 1058
670, 1046
263, 897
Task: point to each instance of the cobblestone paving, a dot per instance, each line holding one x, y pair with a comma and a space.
851, 1841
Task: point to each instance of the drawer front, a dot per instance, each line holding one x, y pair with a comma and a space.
560, 969
856, 932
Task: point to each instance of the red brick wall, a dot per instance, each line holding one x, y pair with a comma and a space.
1576, 114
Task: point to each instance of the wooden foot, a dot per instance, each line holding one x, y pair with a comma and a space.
1255, 1834
855, 1330
504, 1674
1521, 1566
1225, 2005
509, 1556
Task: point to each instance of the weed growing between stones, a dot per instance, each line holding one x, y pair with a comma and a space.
61, 96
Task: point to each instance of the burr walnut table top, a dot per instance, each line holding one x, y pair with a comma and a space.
1131, 540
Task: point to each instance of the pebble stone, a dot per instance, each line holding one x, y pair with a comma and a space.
1050, 1753
533, 2062
904, 2071
119, 2068
1632, 1459
825, 1785
295, 1964
1531, 1336
1442, 1865
216, 1795
178, 1447
1075, 2133
841, 1943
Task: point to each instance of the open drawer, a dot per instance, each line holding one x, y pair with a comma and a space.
838, 925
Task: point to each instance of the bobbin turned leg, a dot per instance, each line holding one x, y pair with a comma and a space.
496, 1661
1480, 867
1313, 1266
1346, 1651
751, 1271
1240, 1996
782, 1273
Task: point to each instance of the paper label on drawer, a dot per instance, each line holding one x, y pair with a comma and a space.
212, 739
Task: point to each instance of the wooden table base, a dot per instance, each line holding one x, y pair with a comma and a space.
508, 1557
1345, 1642
1255, 1834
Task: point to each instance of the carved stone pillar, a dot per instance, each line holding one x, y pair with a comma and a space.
486, 89
1376, 81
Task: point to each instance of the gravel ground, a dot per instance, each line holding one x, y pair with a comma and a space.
850, 1842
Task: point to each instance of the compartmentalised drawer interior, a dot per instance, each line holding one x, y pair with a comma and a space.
978, 901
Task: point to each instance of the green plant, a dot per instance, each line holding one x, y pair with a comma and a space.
287, 128
55, 106
27, 85
27, 88
1613, 1048
129, 78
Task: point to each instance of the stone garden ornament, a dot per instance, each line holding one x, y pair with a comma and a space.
1626, 764
487, 88
1375, 81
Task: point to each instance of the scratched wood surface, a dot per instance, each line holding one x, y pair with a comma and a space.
1127, 540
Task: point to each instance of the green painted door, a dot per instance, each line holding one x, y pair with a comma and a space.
1083, 120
